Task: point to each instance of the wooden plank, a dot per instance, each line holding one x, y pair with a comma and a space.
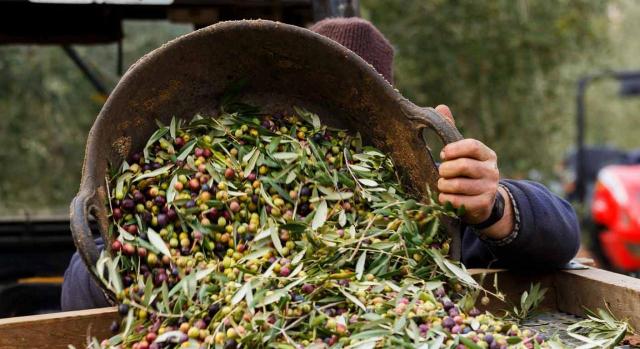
591, 288
512, 284
56, 330
570, 291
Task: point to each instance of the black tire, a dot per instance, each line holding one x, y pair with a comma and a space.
594, 231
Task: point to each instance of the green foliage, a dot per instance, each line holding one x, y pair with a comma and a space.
599, 330
529, 302
46, 110
498, 65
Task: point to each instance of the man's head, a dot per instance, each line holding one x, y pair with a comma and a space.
361, 37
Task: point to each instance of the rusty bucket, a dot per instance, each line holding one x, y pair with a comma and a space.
284, 66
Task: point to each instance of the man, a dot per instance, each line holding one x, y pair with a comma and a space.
507, 223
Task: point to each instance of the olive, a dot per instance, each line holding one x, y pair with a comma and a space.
213, 309
138, 196
115, 326
162, 219
128, 249
317, 138
230, 344
194, 184
128, 204
123, 309
135, 158
171, 215
160, 278
159, 201
116, 246
448, 305
117, 213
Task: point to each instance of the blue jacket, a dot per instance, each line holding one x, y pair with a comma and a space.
548, 237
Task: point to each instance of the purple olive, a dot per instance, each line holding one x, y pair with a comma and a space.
160, 278
447, 305
123, 309
213, 309
128, 204
455, 329
138, 196
448, 322
160, 200
171, 215
135, 158
162, 220
115, 326
117, 213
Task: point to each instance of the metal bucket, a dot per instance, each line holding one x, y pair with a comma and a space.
285, 66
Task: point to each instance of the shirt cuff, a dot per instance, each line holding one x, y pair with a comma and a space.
516, 226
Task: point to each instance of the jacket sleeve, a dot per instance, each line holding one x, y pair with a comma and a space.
548, 234
79, 289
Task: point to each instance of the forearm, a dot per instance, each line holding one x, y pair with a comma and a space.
547, 234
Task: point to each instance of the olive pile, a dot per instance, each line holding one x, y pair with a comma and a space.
275, 231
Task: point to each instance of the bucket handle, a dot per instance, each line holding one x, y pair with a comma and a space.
81, 207
447, 132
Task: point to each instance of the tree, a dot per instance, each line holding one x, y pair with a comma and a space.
497, 64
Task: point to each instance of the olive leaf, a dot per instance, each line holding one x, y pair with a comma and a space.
173, 128
157, 242
368, 182
285, 156
255, 154
320, 215
154, 138
171, 190
337, 196
353, 299
360, 265
155, 173
148, 288
241, 293
342, 218
186, 150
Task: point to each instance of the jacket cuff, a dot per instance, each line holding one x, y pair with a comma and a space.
516, 224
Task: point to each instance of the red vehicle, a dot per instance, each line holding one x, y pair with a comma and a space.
607, 183
615, 210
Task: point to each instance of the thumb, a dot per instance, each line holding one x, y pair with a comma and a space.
445, 111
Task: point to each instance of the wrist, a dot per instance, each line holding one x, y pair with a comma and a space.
505, 225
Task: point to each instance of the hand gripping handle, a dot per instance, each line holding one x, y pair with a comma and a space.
429, 118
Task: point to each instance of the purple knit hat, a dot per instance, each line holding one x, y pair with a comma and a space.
361, 37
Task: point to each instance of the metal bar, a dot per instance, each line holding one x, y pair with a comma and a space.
119, 58
95, 81
580, 122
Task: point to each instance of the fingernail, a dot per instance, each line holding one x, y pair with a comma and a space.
442, 155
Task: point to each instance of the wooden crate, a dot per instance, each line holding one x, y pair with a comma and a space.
569, 291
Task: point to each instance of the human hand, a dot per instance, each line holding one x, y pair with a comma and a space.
469, 177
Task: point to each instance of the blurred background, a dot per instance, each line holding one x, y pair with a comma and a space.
509, 70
